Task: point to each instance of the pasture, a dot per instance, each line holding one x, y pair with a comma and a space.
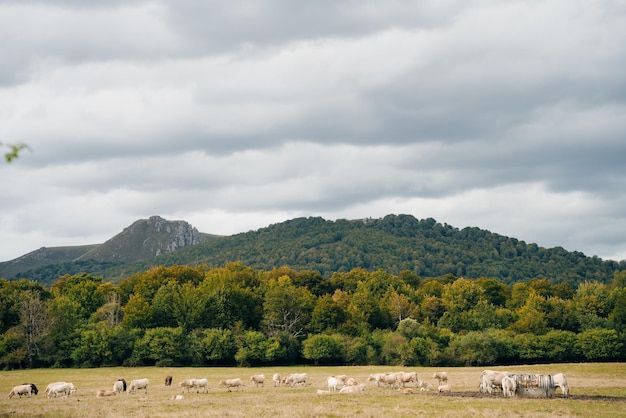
597, 389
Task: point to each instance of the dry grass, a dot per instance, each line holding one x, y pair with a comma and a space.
598, 390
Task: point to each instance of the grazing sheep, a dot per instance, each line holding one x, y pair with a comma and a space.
21, 390
561, 381
33, 387
50, 385
201, 384
231, 383
64, 388
490, 379
138, 384
296, 379
509, 386
258, 379
390, 379
442, 377
376, 378
406, 377
118, 387
187, 384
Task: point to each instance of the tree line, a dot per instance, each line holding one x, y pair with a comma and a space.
236, 315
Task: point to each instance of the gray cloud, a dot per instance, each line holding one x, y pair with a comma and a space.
233, 115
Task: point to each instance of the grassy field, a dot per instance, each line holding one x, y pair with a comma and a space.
597, 390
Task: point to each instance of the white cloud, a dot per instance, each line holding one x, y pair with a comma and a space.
505, 116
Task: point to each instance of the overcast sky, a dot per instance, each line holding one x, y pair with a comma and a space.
233, 115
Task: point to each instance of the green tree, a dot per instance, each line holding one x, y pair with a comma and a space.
531, 317
322, 349
163, 306
183, 303
391, 347
13, 351
485, 315
84, 289
399, 305
103, 346
617, 317
355, 350
230, 305
67, 322
111, 312
137, 313
252, 348
495, 292
349, 281
11, 292
477, 348
313, 281
218, 345
559, 346
461, 295
287, 308
162, 347
431, 309
327, 315
600, 344
561, 314
409, 328
592, 302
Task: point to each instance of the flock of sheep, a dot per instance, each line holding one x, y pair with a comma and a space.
54, 389
519, 384
508, 383
340, 383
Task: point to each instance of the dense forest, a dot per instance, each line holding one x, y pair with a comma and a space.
237, 315
395, 243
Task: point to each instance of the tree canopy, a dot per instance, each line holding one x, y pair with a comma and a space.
181, 315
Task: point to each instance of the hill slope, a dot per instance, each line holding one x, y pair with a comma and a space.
145, 238
394, 243
43, 257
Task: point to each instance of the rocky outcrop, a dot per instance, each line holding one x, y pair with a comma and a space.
146, 238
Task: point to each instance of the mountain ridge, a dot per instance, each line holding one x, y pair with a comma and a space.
144, 238
394, 243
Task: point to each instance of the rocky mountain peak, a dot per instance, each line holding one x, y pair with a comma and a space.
147, 238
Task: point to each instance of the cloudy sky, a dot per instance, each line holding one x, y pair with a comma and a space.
232, 115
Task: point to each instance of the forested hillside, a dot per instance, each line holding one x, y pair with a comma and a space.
237, 315
393, 243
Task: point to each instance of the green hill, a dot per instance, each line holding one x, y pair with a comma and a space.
145, 238
394, 243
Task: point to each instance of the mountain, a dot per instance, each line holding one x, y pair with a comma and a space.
395, 243
145, 238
